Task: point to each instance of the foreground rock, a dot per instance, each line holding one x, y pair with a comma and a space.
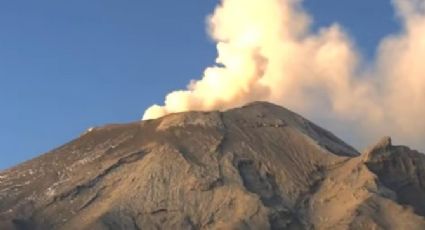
256, 167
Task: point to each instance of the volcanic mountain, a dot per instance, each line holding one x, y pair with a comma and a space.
256, 167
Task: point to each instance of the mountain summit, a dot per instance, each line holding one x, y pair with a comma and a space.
256, 167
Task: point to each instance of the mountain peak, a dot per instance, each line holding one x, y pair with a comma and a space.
268, 114
382, 144
260, 165
262, 114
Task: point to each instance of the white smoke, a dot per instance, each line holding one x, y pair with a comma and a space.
268, 51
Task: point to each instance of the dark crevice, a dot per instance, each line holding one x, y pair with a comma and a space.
189, 157
92, 199
265, 186
285, 220
214, 184
220, 147
20, 224
135, 225
188, 223
131, 158
158, 211
303, 200
317, 177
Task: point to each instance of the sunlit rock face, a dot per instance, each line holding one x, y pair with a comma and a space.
260, 166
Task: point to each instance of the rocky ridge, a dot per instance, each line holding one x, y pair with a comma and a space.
256, 167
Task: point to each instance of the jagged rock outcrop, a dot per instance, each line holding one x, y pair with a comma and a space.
256, 167
402, 170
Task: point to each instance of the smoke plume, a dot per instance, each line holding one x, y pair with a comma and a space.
268, 51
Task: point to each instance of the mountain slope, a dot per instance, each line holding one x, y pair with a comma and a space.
256, 167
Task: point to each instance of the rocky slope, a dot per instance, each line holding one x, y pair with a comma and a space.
256, 167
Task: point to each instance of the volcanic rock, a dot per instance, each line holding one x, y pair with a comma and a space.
256, 167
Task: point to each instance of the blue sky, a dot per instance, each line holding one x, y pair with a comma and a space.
69, 65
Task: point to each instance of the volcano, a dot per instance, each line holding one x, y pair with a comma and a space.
260, 166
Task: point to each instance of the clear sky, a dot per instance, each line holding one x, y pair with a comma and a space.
68, 65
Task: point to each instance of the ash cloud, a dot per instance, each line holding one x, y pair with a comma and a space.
268, 51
